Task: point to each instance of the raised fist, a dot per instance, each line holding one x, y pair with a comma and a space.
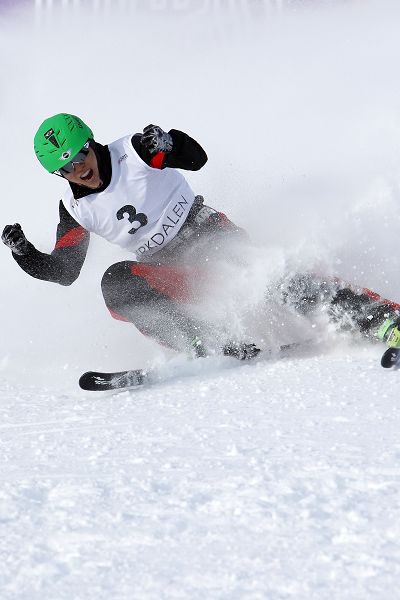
156, 140
15, 239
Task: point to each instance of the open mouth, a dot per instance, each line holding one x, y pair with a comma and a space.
87, 175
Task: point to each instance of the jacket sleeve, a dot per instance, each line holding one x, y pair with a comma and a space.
186, 153
64, 263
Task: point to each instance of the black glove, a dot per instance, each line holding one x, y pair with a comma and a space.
15, 239
241, 351
156, 140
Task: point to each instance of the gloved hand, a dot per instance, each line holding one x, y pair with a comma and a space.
156, 140
241, 351
15, 239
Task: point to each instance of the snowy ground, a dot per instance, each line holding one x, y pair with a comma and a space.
268, 481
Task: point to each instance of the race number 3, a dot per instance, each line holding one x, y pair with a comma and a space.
130, 213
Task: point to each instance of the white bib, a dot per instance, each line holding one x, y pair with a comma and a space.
141, 210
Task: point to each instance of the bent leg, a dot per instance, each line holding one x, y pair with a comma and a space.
362, 310
352, 308
151, 297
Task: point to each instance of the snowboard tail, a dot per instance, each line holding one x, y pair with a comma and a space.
98, 381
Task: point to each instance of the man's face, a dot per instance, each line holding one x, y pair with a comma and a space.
86, 173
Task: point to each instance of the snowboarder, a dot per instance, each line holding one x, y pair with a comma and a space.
131, 193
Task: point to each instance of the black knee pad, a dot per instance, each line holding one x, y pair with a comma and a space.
116, 282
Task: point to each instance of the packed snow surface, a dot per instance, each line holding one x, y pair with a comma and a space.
219, 481
272, 480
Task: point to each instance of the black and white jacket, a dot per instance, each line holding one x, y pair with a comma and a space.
64, 263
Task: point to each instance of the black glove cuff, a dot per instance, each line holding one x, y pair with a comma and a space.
24, 249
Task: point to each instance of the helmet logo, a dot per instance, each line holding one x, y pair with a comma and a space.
65, 155
49, 135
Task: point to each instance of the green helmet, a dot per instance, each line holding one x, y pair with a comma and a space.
60, 138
